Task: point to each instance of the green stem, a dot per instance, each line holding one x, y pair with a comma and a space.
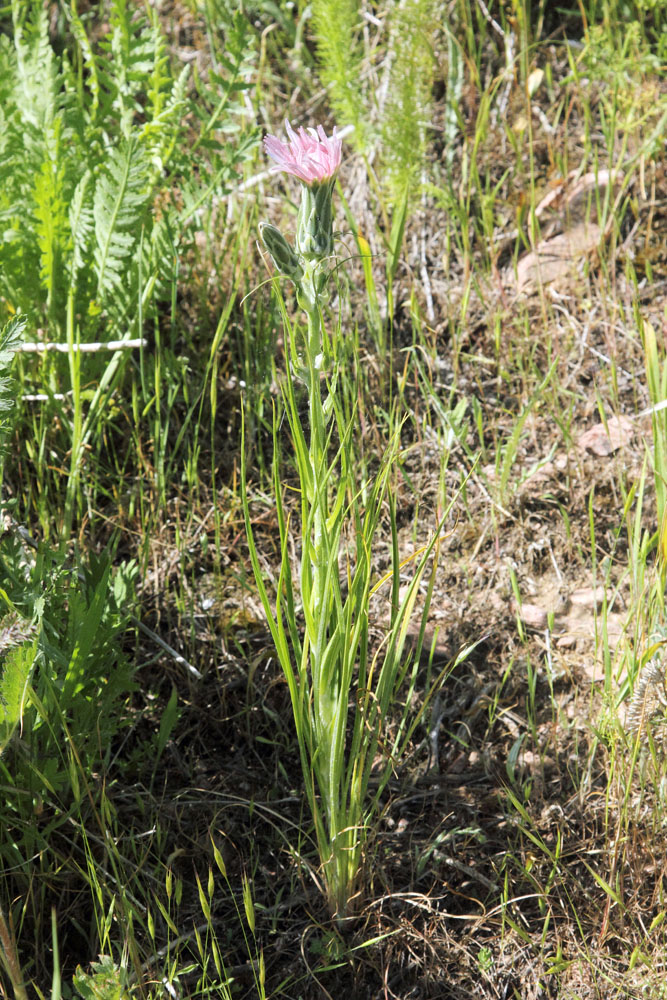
316, 550
341, 862
74, 357
322, 667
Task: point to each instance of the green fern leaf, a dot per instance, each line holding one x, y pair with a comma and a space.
340, 55
87, 55
129, 61
412, 68
217, 107
160, 133
121, 194
10, 338
38, 81
14, 677
50, 211
81, 224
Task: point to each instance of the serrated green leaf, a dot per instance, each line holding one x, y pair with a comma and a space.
120, 195
14, 677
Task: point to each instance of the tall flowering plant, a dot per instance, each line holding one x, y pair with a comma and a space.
341, 691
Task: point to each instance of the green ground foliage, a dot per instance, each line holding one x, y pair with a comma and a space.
499, 312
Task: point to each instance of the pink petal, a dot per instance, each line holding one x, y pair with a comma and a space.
308, 155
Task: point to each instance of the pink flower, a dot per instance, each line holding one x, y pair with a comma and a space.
311, 157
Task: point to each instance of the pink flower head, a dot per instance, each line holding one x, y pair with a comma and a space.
310, 156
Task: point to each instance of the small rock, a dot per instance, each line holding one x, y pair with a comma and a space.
533, 616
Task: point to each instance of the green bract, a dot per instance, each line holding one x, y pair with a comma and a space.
314, 237
282, 254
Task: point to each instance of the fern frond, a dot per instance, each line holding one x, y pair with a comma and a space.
159, 80
218, 107
81, 222
14, 674
161, 132
161, 252
21, 153
39, 153
88, 147
38, 78
221, 113
87, 56
130, 59
410, 84
336, 24
10, 338
121, 194
50, 200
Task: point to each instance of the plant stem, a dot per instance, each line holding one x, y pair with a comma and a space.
316, 556
72, 493
10, 959
314, 547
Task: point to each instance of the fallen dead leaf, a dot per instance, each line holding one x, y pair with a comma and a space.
556, 258
603, 440
572, 201
572, 206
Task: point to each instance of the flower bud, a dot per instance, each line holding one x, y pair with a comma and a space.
314, 235
282, 254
